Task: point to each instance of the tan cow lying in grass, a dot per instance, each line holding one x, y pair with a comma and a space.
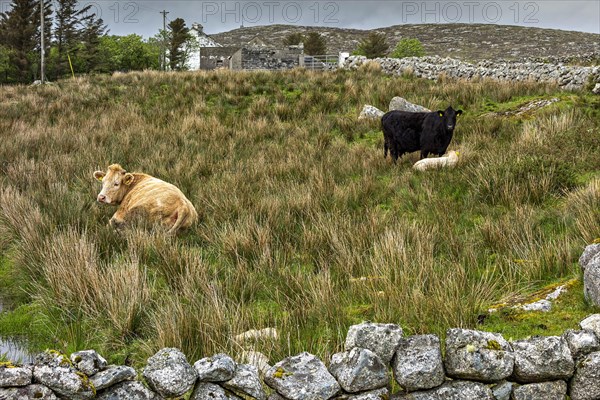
143, 196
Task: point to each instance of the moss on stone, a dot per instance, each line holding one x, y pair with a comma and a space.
493, 345
280, 373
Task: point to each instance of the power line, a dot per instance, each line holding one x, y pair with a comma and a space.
164, 58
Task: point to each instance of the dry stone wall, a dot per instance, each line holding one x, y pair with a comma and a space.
569, 77
476, 365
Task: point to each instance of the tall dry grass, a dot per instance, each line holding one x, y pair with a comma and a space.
304, 226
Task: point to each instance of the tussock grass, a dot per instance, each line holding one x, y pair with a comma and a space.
304, 226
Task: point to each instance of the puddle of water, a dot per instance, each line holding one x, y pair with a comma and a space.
13, 349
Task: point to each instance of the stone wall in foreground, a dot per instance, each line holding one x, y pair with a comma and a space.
476, 365
569, 77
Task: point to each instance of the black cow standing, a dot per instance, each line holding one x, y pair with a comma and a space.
430, 132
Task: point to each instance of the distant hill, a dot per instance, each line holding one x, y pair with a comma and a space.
469, 42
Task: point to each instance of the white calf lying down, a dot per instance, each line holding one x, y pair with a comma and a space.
430, 163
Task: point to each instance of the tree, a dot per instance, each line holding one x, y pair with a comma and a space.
76, 38
178, 36
408, 48
91, 34
18, 29
293, 39
128, 53
5, 62
375, 45
315, 44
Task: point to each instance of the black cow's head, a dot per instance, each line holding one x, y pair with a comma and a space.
449, 117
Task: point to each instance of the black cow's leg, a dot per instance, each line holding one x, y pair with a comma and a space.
394, 152
424, 154
385, 149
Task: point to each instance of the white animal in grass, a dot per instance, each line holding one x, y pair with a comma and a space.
440, 162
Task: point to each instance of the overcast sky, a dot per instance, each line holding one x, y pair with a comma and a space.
143, 16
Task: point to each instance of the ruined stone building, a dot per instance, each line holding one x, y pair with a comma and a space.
255, 55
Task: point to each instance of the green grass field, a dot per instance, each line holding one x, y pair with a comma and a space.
296, 201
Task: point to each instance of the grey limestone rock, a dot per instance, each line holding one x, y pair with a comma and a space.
502, 390
418, 363
29, 392
302, 377
169, 373
401, 104
212, 391
588, 253
11, 376
540, 305
542, 358
381, 339
591, 280
130, 390
378, 394
596, 89
245, 381
275, 396
453, 390
55, 371
479, 356
112, 375
358, 370
88, 361
585, 384
218, 368
581, 342
591, 323
556, 390
370, 112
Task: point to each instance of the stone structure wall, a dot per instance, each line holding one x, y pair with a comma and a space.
272, 59
566, 76
476, 365
217, 57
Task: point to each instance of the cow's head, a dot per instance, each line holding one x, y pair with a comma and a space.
449, 117
115, 184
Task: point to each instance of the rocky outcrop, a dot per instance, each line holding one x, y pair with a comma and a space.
370, 112
401, 104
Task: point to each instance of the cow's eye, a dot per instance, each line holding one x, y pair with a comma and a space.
116, 183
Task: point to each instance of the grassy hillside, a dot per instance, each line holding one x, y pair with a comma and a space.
467, 42
304, 225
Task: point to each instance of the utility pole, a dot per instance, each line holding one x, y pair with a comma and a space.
42, 66
164, 57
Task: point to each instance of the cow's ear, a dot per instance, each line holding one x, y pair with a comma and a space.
128, 179
440, 113
99, 175
459, 112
